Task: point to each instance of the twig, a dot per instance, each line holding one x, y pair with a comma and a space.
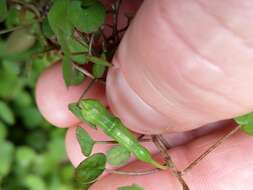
133, 173
87, 89
13, 29
91, 43
28, 6
116, 8
162, 144
86, 73
82, 70
210, 149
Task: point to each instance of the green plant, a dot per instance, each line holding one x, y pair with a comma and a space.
33, 35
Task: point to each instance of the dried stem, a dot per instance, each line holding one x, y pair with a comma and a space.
87, 73
87, 89
31, 7
133, 173
82, 70
13, 29
162, 145
116, 8
91, 43
210, 149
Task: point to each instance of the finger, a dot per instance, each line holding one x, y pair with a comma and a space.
73, 148
174, 139
229, 167
53, 97
183, 64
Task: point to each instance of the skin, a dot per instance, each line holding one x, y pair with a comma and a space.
207, 68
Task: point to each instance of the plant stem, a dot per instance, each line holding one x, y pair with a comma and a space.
91, 43
87, 89
12, 29
162, 145
28, 6
210, 149
133, 173
86, 73
115, 142
82, 70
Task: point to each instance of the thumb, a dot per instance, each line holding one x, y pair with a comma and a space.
183, 64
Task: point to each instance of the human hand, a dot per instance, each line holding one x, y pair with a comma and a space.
201, 50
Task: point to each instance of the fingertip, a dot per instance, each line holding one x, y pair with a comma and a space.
73, 148
53, 97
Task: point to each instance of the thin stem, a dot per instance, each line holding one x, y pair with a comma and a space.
87, 89
86, 73
79, 40
28, 6
133, 173
82, 70
91, 44
210, 149
162, 144
116, 15
12, 29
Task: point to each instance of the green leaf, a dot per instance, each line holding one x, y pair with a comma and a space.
10, 82
25, 156
6, 156
98, 61
90, 169
59, 23
70, 75
33, 182
74, 108
87, 18
57, 149
20, 41
3, 10
85, 141
31, 117
46, 28
118, 156
23, 99
87, 3
98, 70
6, 113
75, 47
57, 18
132, 187
12, 19
3, 132
246, 123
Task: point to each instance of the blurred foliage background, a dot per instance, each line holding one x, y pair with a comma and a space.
33, 35
32, 154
